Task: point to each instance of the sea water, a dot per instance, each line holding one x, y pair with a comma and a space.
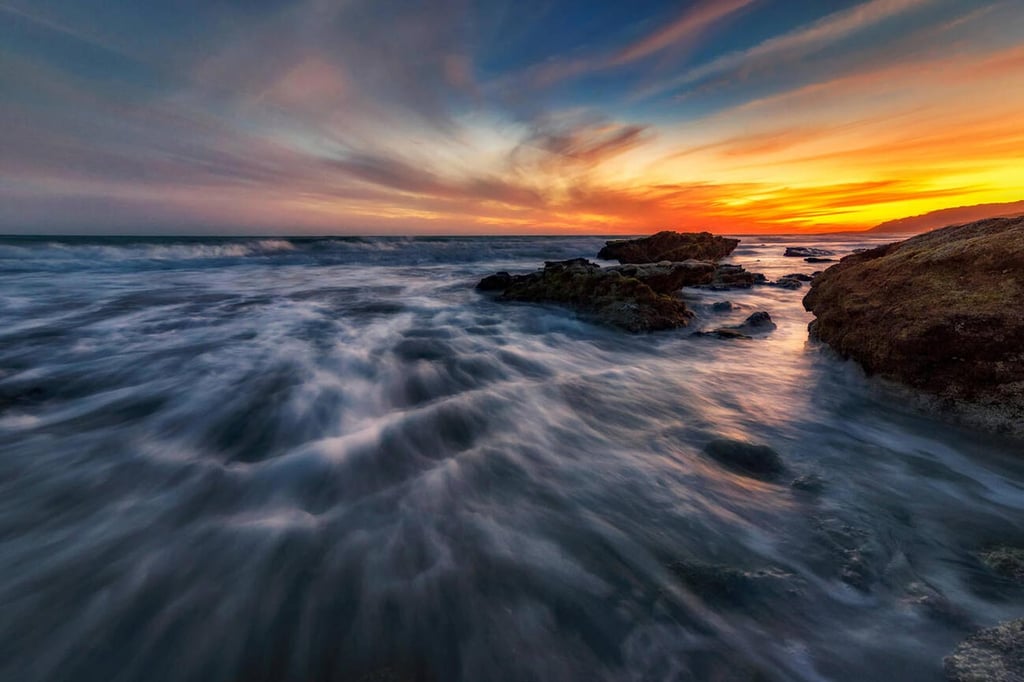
320, 459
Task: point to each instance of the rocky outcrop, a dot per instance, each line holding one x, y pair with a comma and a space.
667, 277
940, 312
617, 297
992, 655
807, 252
728, 276
669, 246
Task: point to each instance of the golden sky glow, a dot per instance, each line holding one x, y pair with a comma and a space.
324, 117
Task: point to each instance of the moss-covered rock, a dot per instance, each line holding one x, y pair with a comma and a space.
669, 246
942, 312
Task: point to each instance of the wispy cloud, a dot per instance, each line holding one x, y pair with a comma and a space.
678, 35
788, 47
687, 28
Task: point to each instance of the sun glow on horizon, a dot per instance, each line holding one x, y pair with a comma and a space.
747, 116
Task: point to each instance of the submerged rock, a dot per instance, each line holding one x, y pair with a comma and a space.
847, 552
818, 259
607, 295
729, 586
669, 246
940, 312
758, 323
1005, 561
939, 608
807, 252
799, 276
992, 655
811, 484
756, 461
724, 333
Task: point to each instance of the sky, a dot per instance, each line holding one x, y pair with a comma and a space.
504, 116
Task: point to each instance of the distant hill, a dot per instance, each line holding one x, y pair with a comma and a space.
950, 216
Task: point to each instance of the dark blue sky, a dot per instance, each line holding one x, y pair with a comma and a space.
536, 115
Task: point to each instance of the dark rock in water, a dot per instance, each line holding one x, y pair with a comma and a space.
728, 586
788, 283
667, 277
799, 276
816, 259
808, 483
992, 655
669, 246
757, 323
807, 252
940, 609
849, 553
756, 461
1005, 561
722, 306
729, 276
499, 281
940, 312
604, 294
724, 333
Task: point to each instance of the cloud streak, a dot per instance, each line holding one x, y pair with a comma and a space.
783, 49
680, 34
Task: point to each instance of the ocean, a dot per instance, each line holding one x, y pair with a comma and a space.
333, 459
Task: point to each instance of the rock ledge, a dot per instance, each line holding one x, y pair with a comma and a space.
940, 312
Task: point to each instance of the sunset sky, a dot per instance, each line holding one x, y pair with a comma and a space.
504, 116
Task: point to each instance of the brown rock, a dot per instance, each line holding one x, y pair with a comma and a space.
728, 276
607, 295
667, 277
669, 246
941, 312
